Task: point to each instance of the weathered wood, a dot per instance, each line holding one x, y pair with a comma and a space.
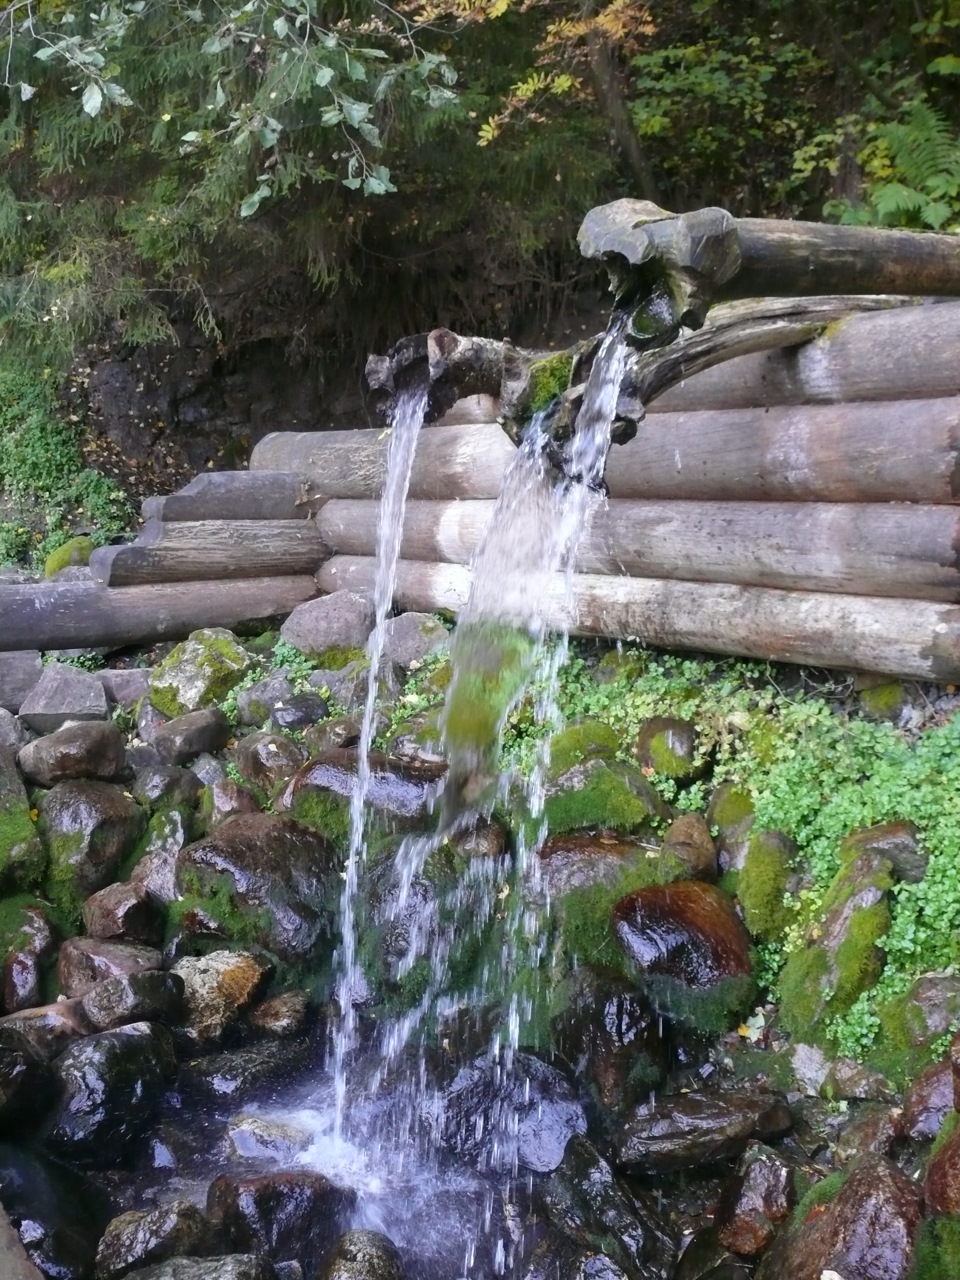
890, 451
233, 495
19, 672
903, 550
450, 462
903, 354
210, 550
75, 615
867, 633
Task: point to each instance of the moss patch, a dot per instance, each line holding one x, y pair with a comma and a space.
198, 672
325, 812
761, 886
338, 656
937, 1250
600, 799
549, 378
76, 551
588, 740
821, 1193
22, 857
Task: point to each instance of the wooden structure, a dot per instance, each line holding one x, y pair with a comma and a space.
799, 504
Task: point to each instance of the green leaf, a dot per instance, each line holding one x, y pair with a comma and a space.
330, 116
355, 70
354, 112
26, 91
117, 94
948, 65
220, 97
352, 183
254, 200
92, 99
281, 26
323, 76
216, 44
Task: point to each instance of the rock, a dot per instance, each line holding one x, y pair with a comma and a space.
89, 827
941, 1188
223, 799
341, 731
19, 673
930, 1009
112, 1084
22, 858
296, 1215
928, 1102
283, 1016
583, 860
341, 620
364, 1255
83, 962
841, 958
810, 1066
866, 1233
63, 693
15, 1262
136, 1239
752, 1203
495, 1116
50, 1028
124, 911
259, 1137
411, 637
896, 841
848, 1079
487, 838
283, 879
763, 880
348, 685
217, 988
75, 551
168, 832
691, 950
584, 1200
873, 1127
125, 686
609, 1036
34, 944
267, 759
27, 1084
208, 769
731, 812
557, 1255
11, 734
302, 711
671, 748
198, 672
255, 704
149, 721
399, 791
59, 1212
705, 1258
593, 794
688, 839
681, 1131
134, 997
184, 737
167, 786
245, 1266
239, 1073
91, 749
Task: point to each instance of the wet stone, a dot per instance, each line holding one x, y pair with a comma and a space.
167, 786
293, 1215
585, 1200
492, 1116
59, 1212
487, 838
583, 860
217, 988
94, 749
267, 759
412, 637
364, 1255
168, 832
400, 790
90, 828
689, 840
36, 945
256, 703
755, 1201
136, 997
198, 672
83, 962
341, 731
225, 798
112, 1084
284, 879
866, 1233
298, 712
19, 672
340, 620
22, 855
850, 1080
149, 722
872, 1128
898, 842
691, 950
239, 1073
11, 732
927, 1102
260, 1137
125, 910
347, 686
179, 740
941, 1189
26, 1082
932, 1007
731, 812
245, 1266
681, 1131
137, 1239
125, 686
50, 1028
670, 747
63, 693
282, 1016
208, 769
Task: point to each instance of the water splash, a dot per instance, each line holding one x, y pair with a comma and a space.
406, 421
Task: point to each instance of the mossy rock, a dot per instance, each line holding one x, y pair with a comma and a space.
76, 551
936, 1253
585, 740
217, 901
912, 1026
729, 807
549, 378
669, 746
23, 860
325, 812
594, 795
619, 666
884, 701
762, 884
820, 1194
338, 656
842, 958
199, 672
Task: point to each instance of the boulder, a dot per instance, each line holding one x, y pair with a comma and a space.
83, 962
125, 686
283, 1015
268, 759
898, 842
364, 1255
91, 749
688, 840
587, 859
11, 731
302, 711
167, 833
63, 693
411, 637
180, 739
198, 672
50, 1028
19, 673
137, 1239
134, 997
245, 1266
237, 1074
217, 988
671, 748
755, 1201
224, 798
256, 703
89, 828
927, 1102
22, 857
731, 813
681, 1131
341, 620
399, 791
35, 942
941, 1187
124, 911
27, 1086
167, 786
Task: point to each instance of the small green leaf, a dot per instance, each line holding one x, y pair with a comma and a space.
352, 183
117, 94
323, 76
216, 44
281, 26
254, 200
92, 99
948, 65
354, 112
26, 91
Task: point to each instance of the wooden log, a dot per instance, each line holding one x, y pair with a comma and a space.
890, 451
450, 462
902, 354
210, 550
903, 550
233, 495
910, 638
79, 615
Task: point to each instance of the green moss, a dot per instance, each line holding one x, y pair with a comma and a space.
12, 931
217, 899
22, 856
883, 701
603, 801
802, 996
324, 812
338, 656
549, 378
587, 740
710, 1010
762, 884
222, 662
76, 551
729, 806
937, 1250
946, 1131
821, 1193
61, 883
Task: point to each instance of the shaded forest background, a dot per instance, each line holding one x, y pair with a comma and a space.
210, 214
